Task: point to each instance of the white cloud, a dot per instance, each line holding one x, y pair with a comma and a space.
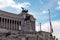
11, 3
55, 25
59, 2
2, 4
18, 6
58, 7
45, 11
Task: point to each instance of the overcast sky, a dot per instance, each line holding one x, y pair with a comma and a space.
39, 9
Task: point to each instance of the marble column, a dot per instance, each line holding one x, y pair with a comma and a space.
9, 23
14, 25
19, 25
4, 22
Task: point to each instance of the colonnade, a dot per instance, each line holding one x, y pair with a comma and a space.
9, 24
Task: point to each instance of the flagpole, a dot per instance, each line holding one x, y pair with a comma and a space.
51, 29
40, 26
49, 15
